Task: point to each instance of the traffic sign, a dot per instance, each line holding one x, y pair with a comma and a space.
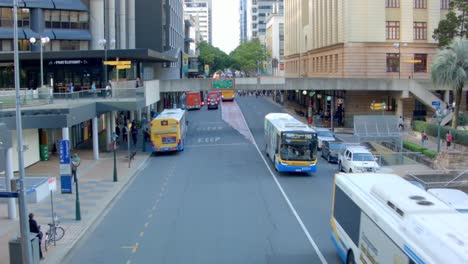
64, 151
116, 63
436, 104
123, 67
223, 84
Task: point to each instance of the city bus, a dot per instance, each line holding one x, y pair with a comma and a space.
382, 218
168, 131
290, 144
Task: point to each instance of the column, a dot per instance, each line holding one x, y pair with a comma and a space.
399, 110
8, 177
108, 131
112, 22
95, 139
123, 24
65, 133
148, 113
131, 24
96, 18
113, 124
447, 96
138, 117
132, 115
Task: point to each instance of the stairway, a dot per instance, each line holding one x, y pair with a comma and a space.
427, 97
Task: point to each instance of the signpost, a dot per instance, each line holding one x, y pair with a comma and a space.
65, 169
436, 104
119, 65
223, 84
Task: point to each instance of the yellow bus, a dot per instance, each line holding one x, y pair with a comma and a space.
168, 131
227, 94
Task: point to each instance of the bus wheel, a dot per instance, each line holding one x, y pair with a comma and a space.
350, 258
274, 163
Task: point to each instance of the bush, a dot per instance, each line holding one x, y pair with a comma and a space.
459, 136
429, 153
413, 147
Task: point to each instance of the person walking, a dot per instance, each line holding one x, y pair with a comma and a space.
401, 123
35, 228
424, 138
449, 139
134, 135
108, 91
93, 89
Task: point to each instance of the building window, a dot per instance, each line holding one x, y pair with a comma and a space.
393, 62
422, 65
393, 30
420, 30
6, 17
392, 3
420, 4
66, 19
444, 4
69, 45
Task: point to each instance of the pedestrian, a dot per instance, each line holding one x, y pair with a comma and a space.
93, 89
138, 82
134, 135
424, 138
108, 91
401, 124
146, 135
125, 134
35, 228
449, 139
117, 130
71, 88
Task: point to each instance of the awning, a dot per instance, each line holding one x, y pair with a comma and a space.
7, 33
29, 33
172, 53
9, 3
39, 4
72, 34
76, 5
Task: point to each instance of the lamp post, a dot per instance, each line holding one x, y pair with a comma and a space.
23, 210
42, 42
114, 149
75, 160
398, 45
103, 43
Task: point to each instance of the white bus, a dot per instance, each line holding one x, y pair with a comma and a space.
382, 218
290, 144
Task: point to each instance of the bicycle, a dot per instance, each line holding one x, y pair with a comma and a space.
54, 234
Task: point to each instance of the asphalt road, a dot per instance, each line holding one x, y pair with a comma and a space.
215, 202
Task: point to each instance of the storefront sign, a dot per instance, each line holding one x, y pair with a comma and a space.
68, 62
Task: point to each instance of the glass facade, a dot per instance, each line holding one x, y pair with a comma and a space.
66, 19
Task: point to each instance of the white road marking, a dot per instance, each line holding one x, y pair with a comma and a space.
199, 140
217, 139
216, 145
285, 196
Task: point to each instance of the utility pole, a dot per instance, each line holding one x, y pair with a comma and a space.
23, 211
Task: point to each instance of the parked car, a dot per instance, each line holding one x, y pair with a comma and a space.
331, 150
212, 100
324, 134
357, 159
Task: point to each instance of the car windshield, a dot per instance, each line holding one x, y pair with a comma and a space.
334, 146
324, 134
363, 157
212, 96
298, 146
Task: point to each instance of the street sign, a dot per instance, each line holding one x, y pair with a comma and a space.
123, 67
436, 104
223, 84
65, 171
412, 61
116, 63
378, 106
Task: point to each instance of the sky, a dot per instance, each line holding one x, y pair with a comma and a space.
226, 24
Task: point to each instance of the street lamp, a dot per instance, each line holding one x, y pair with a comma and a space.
114, 148
103, 43
75, 160
398, 45
42, 42
439, 116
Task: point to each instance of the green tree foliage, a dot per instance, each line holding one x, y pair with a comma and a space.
454, 25
216, 58
450, 69
248, 56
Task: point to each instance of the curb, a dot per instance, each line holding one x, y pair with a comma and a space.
60, 256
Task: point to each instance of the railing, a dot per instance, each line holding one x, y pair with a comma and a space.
28, 98
440, 178
397, 158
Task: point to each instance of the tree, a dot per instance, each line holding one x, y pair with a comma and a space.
450, 69
216, 58
454, 25
248, 55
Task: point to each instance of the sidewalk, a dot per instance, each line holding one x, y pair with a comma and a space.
96, 192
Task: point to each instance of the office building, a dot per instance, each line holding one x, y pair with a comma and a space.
274, 43
201, 11
257, 13
243, 20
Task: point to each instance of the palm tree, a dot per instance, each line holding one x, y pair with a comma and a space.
450, 69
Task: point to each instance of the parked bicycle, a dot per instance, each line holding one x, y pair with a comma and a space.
54, 234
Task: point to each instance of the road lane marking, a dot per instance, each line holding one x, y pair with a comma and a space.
154, 208
285, 196
134, 249
150, 215
128, 262
146, 224
216, 145
141, 234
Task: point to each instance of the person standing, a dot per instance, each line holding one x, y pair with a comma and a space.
35, 228
134, 135
125, 134
93, 89
108, 91
449, 139
424, 138
401, 124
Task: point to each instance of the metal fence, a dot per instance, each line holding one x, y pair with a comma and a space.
441, 178
378, 128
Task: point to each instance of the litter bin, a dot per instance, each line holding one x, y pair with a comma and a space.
16, 256
44, 152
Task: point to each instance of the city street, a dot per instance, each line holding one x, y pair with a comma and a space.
216, 202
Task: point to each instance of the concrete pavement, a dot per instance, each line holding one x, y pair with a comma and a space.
97, 191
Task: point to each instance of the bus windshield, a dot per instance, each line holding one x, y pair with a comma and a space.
298, 146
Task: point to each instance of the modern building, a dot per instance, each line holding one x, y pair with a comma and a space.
274, 43
191, 53
243, 20
257, 13
386, 39
201, 11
